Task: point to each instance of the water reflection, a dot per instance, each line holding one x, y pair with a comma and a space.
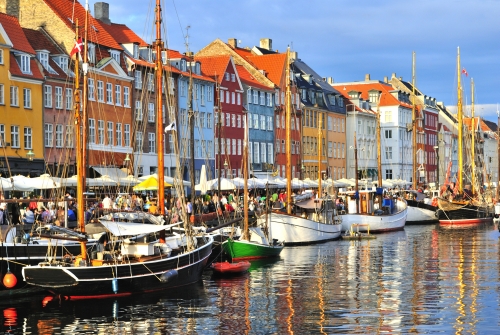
421, 280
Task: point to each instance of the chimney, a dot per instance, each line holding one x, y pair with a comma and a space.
393, 75
330, 80
12, 8
101, 12
367, 77
294, 55
386, 80
233, 42
266, 43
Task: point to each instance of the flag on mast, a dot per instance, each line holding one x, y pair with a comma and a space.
77, 48
464, 71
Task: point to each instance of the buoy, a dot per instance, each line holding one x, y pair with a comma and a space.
9, 280
10, 317
114, 285
168, 276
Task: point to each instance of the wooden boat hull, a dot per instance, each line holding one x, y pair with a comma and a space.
136, 277
230, 268
376, 223
453, 214
294, 230
244, 250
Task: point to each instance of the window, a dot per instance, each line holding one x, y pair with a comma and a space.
59, 136
234, 146
109, 93
151, 83
25, 64
110, 133
255, 97
270, 123
233, 77
126, 135
249, 96
59, 97
202, 120
119, 134
227, 76
2, 94
151, 112
239, 146
209, 120
238, 121
63, 63
238, 99
388, 134
388, 116
277, 146
91, 89
100, 131
27, 138
91, 130
100, 91
263, 155
152, 142
1, 56
209, 93
388, 174
138, 110
118, 95
262, 122
26, 98
91, 53
233, 98
256, 155
202, 95
196, 93
14, 136
227, 97
277, 121
138, 79
138, 141
69, 136
14, 96
255, 121
2, 134
115, 55
228, 119
126, 96
49, 134
388, 153
221, 96
69, 99
233, 120
269, 99
262, 98
270, 154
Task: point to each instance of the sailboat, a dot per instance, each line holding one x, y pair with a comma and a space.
254, 243
315, 222
137, 261
366, 214
463, 208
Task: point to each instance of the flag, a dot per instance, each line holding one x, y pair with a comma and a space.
77, 48
170, 127
464, 71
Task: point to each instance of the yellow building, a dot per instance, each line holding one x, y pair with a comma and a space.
21, 112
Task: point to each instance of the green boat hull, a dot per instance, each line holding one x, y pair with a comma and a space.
241, 250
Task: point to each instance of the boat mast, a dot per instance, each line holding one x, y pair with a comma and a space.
159, 111
379, 153
498, 155
473, 140
85, 116
356, 185
320, 151
460, 126
191, 128
219, 136
80, 167
288, 120
246, 234
414, 125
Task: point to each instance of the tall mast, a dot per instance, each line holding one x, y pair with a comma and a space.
473, 140
498, 154
356, 185
85, 115
80, 167
219, 144
379, 153
460, 126
191, 130
159, 113
245, 180
320, 151
414, 124
288, 120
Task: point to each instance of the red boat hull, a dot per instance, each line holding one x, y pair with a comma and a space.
226, 267
465, 222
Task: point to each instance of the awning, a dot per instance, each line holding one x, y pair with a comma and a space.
113, 172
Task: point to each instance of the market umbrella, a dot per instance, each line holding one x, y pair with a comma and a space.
150, 184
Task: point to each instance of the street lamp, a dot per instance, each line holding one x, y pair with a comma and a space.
225, 167
126, 162
30, 155
436, 150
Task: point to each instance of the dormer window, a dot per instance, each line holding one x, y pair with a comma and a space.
24, 63
183, 65
63, 63
43, 57
373, 96
136, 51
164, 57
197, 69
332, 99
91, 53
115, 55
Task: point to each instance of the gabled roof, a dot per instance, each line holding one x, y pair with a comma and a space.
122, 34
249, 80
11, 26
482, 125
214, 66
174, 54
70, 10
273, 64
15, 70
386, 99
243, 52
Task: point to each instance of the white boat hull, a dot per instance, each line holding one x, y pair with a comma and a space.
418, 215
376, 223
294, 229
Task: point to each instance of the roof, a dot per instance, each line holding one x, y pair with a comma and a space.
16, 34
248, 79
123, 34
15, 70
273, 64
169, 68
70, 10
386, 99
243, 52
214, 66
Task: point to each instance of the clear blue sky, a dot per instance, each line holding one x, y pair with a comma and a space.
347, 39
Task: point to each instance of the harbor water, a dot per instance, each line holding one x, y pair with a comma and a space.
424, 280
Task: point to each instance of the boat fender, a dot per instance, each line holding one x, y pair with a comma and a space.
168, 276
114, 285
9, 280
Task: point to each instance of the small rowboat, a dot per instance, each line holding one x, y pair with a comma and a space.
226, 267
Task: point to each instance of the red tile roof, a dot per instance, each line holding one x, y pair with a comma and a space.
15, 70
468, 123
171, 69
123, 34
174, 54
386, 99
214, 66
70, 10
16, 34
243, 52
273, 64
248, 79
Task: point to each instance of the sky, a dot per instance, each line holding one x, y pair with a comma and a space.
346, 39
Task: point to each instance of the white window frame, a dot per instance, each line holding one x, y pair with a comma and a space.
49, 135
138, 79
28, 138
118, 95
14, 96
126, 96
91, 91
100, 91
151, 112
152, 142
126, 135
59, 136
119, 142
59, 97
69, 98
27, 98
14, 136
100, 132
110, 131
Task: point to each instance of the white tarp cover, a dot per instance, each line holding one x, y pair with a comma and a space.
132, 228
